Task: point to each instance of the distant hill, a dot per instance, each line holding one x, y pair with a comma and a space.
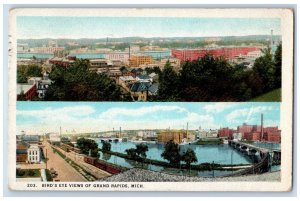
155, 40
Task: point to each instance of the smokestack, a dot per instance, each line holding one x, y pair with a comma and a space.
262, 127
120, 132
187, 128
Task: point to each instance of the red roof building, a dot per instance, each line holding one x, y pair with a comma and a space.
227, 52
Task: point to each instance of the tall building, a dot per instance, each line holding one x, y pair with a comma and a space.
137, 60
171, 135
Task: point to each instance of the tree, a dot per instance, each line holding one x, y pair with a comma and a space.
278, 65
207, 79
78, 83
138, 153
25, 72
106, 146
88, 146
132, 154
169, 83
172, 153
141, 150
264, 66
189, 157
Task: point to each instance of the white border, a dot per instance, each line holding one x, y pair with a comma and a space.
286, 17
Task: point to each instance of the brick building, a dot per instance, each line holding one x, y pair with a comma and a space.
226, 132
272, 134
227, 52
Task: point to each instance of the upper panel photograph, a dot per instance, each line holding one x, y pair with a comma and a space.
146, 58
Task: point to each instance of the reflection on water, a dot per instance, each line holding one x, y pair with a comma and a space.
222, 154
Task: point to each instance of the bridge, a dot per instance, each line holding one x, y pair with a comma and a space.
262, 158
112, 139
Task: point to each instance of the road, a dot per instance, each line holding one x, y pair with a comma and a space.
64, 170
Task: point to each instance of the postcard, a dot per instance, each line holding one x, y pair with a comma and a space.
150, 99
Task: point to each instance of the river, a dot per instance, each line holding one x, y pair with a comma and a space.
222, 154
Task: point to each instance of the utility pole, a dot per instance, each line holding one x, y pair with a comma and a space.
46, 159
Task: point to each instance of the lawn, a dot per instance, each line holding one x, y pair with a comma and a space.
25, 173
272, 96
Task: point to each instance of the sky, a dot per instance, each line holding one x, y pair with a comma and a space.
35, 27
81, 117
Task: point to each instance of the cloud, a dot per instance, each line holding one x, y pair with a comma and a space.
83, 119
216, 107
246, 114
117, 112
65, 114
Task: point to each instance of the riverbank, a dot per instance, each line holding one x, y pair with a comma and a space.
142, 175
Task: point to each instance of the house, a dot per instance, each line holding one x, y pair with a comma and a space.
34, 154
139, 90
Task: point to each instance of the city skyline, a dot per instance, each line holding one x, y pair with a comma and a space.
81, 117
37, 27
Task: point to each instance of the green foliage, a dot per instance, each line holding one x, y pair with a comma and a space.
77, 83
141, 150
88, 146
264, 66
189, 157
132, 154
274, 95
48, 175
26, 173
278, 65
172, 153
106, 146
169, 83
138, 153
20, 172
25, 72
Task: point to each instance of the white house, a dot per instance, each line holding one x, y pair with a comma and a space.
34, 154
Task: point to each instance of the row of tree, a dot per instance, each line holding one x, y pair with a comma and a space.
78, 83
215, 79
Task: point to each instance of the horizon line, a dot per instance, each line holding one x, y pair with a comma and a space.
122, 37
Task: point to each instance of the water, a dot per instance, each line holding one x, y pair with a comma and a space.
205, 154
268, 145
88, 55
29, 55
